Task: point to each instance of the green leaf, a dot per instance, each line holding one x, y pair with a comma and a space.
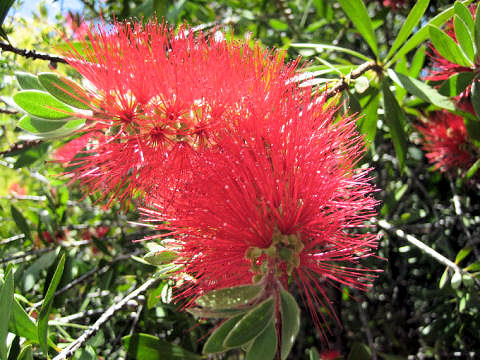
30, 276
26, 353
214, 344
21, 324
358, 14
476, 30
278, 25
264, 346
30, 155
215, 313
421, 90
456, 280
464, 38
251, 324
475, 96
462, 254
447, 47
422, 34
368, 121
6, 301
464, 14
395, 119
473, 169
313, 354
475, 266
20, 221
412, 20
290, 322
148, 347
65, 90
456, 84
417, 62
28, 81
321, 47
42, 105
5, 5
229, 297
34, 125
359, 351
160, 258
47, 305
473, 128
443, 279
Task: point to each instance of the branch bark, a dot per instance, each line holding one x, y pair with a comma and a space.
32, 54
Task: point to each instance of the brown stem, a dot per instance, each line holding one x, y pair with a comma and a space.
31, 54
343, 84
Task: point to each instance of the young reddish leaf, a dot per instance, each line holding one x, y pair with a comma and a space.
264, 346
290, 322
215, 342
251, 324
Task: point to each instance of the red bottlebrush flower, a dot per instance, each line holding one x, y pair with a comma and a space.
443, 69
278, 198
160, 96
446, 142
394, 4
68, 151
330, 355
16, 189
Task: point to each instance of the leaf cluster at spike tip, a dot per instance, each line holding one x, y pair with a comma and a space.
254, 178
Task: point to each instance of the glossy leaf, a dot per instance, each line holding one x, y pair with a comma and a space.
35, 126
26, 353
215, 313
28, 81
251, 324
358, 14
462, 11
417, 62
321, 47
160, 258
473, 170
42, 105
473, 128
368, 120
421, 90
476, 96
423, 34
264, 346
21, 324
464, 38
447, 47
20, 221
476, 30
462, 254
65, 90
47, 305
444, 278
148, 347
5, 5
229, 297
214, 343
395, 119
456, 84
414, 17
290, 313
6, 301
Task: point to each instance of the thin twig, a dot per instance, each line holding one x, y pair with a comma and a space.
344, 82
32, 54
425, 248
89, 274
8, 111
74, 346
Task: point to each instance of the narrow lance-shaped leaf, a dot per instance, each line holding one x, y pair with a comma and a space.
422, 34
462, 11
358, 14
20, 221
65, 90
412, 20
395, 119
6, 301
476, 30
251, 324
47, 305
456, 84
290, 313
42, 105
20, 323
264, 346
447, 47
464, 38
36, 126
26, 353
229, 297
476, 96
417, 62
28, 81
214, 343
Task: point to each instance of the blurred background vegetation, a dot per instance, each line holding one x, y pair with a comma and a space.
417, 308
